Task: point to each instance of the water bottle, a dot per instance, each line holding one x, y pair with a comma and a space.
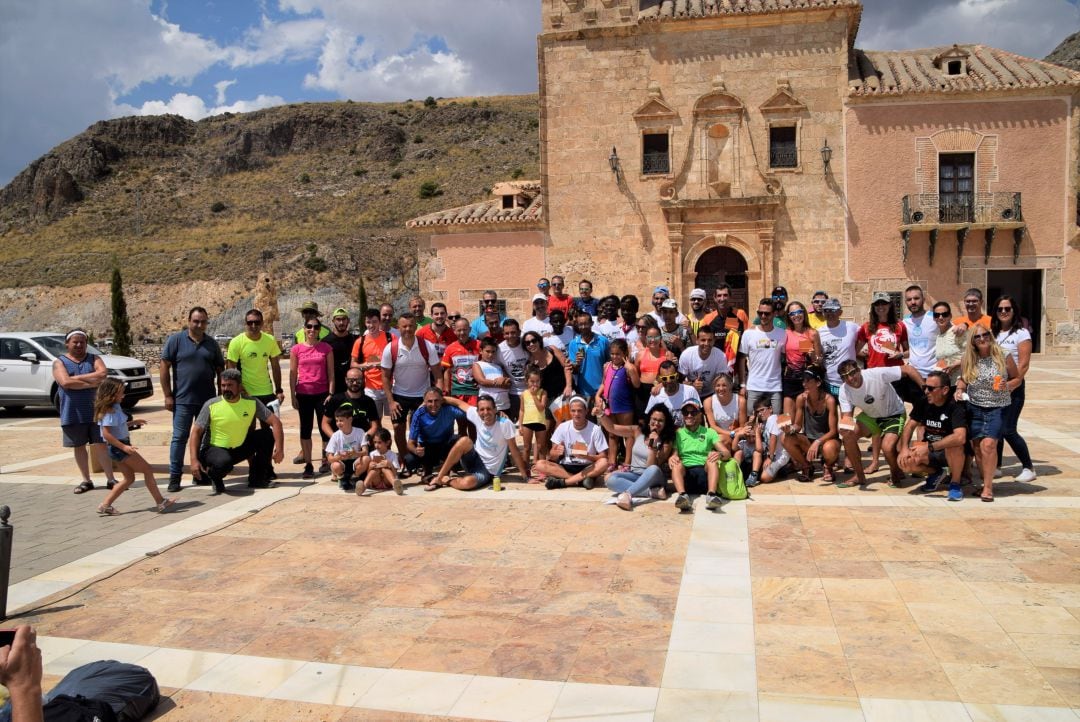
496, 483
275, 407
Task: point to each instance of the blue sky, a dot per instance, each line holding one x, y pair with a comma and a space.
65, 64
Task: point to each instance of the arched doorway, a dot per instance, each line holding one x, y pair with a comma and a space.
723, 265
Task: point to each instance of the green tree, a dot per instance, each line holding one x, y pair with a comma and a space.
361, 300
121, 327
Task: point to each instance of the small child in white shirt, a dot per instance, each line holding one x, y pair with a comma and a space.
347, 450
384, 467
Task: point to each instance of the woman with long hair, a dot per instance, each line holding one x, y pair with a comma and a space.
648, 457
815, 428
1015, 340
648, 360
556, 379
802, 347
987, 378
311, 382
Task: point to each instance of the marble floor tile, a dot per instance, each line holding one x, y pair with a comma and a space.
804, 673
179, 667
703, 670
1019, 713
430, 693
704, 609
507, 699
994, 684
593, 701
808, 708
680, 705
329, 684
1065, 681
860, 590
811, 612
720, 637
979, 646
1026, 619
897, 710
916, 678
94, 651
1050, 650
790, 640
239, 674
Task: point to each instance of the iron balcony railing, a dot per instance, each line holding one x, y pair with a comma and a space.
783, 156
982, 208
655, 163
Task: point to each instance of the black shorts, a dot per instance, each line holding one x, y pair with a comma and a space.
791, 388
696, 480
937, 460
535, 426
409, 404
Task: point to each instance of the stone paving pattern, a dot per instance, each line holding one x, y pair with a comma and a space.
870, 605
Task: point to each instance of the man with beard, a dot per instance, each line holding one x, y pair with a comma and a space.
341, 339
727, 322
230, 421
438, 332
514, 359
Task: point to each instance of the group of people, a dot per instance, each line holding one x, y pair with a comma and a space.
599, 394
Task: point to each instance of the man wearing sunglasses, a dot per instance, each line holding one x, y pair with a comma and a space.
943, 426
558, 300
838, 341
538, 322
258, 357
585, 301
727, 322
490, 321
694, 465
817, 319
760, 350
669, 392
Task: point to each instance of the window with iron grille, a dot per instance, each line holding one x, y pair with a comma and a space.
480, 307
956, 187
783, 150
655, 154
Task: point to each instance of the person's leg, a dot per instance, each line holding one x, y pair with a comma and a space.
453, 456
652, 476
139, 465
476, 474
888, 445
259, 455
712, 476
1009, 420
527, 444
987, 449
551, 468
851, 449
620, 481
875, 454
218, 463
183, 417
590, 474
796, 446
127, 479
830, 456
82, 461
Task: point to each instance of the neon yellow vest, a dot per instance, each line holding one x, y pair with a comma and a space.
230, 423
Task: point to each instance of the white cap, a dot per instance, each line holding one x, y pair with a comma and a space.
540, 297
698, 293
669, 303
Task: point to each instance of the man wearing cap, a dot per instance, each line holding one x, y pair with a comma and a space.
557, 300
697, 314
416, 308
578, 455
191, 362
727, 322
659, 295
230, 421
838, 340
538, 322
695, 462
341, 340
77, 375
817, 319
673, 331
779, 301
489, 323
669, 392
310, 312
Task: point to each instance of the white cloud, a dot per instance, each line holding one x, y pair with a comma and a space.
273, 42
221, 86
193, 107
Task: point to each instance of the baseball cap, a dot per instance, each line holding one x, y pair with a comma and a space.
540, 297
662, 289
832, 304
779, 291
669, 303
881, 297
690, 402
340, 312
698, 293
310, 306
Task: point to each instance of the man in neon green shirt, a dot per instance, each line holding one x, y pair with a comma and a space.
694, 466
258, 357
229, 421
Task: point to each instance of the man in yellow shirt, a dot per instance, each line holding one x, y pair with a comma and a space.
229, 421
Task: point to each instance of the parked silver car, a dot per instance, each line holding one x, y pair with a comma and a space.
26, 370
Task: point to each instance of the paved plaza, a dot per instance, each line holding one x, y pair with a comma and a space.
805, 603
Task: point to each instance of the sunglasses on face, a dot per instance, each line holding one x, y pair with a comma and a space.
850, 374
558, 285
1004, 309
455, 317
763, 314
667, 379
796, 313
981, 336
652, 339
691, 411
942, 314
928, 388
311, 325
251, 323
532, 342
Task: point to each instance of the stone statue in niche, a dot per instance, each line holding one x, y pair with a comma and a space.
719, 142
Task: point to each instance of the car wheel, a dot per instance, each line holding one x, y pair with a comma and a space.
55, 398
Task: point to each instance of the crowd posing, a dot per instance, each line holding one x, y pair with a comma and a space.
705, 400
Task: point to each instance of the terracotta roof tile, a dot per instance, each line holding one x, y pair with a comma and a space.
489, 211
888, 73
686, 9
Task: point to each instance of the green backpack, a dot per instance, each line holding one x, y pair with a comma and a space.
731, 481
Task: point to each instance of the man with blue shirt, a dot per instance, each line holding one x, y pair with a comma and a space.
431, 433
191, 363
490, 321
587, 353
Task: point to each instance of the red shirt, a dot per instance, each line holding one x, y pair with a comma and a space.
440, 342
560, 303
459, 358
881, 342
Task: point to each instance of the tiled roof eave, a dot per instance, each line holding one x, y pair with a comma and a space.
865, 93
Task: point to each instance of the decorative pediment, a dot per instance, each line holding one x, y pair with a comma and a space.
655, 108
783, 101
717, 103
954, 53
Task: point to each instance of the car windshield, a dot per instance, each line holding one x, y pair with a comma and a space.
56, 346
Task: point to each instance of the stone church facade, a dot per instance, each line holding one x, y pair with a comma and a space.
690, 142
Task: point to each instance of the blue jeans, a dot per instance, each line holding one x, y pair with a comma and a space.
1010, 416
183, 417
635, 483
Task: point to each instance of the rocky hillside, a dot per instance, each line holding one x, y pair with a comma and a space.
316, 193
1067, 53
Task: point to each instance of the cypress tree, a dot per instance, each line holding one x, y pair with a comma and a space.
120, 325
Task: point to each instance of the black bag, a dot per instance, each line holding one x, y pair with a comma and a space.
63, 708
129, 691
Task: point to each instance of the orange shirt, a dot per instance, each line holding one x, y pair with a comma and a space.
967, 323
369, 349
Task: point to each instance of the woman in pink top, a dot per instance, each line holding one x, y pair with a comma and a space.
802, 347
311, 381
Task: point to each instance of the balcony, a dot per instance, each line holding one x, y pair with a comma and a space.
655, 163
925, 212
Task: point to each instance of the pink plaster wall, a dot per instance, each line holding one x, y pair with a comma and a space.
881, 164
508, 262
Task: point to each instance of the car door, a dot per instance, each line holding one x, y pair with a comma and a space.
22, 381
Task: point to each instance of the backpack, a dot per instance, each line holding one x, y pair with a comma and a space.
730, 484
395, 344
103, 691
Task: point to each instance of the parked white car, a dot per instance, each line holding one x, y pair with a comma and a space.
26, 377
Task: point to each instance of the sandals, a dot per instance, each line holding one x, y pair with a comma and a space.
827, 475
84, 487
848, 485
803, 475
987, 499
110, 510
165, 505
623, 501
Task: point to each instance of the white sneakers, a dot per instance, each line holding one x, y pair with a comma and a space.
1026, 476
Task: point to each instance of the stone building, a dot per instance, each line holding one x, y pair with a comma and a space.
689, 142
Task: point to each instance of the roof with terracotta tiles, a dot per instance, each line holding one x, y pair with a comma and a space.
490, 211
874, 73
686, 9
